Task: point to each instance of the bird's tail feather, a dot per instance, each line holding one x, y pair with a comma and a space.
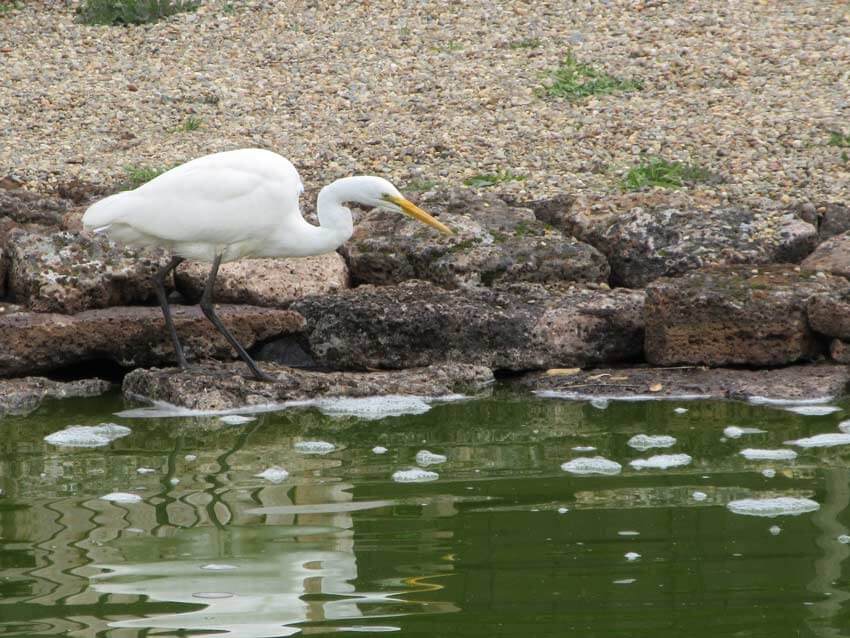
101, 214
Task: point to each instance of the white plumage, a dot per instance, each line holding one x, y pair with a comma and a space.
234, 205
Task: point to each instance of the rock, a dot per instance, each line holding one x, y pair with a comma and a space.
68, 272
20, 397
129, 336
734, 315
493, 242
832, 256
793, 383
645, 244
3, 267
227, 387
272, 283
839, 351
517, 327
25, 207
834, 220
829, 314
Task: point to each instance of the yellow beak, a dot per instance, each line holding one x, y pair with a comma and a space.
417, 213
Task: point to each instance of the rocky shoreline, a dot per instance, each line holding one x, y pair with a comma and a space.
667, 297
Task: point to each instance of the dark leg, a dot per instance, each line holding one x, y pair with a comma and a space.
159, 286
209, 310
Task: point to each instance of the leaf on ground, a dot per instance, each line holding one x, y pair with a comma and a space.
656, 387
562, 372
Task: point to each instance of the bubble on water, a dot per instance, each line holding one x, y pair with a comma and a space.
594, 465
174, 480
813, 410
631, 555
218, 567
371, 628
191, 457
274, 474
699, 496
628, 532
680, 410
830, 439
87, 435
624, 581
314, 447
599, 404
212, 594
768, 472
236, 419
145, 470
844, 539
754, 454
379, 449
425, 458
584, 448
844, 426
563, 510
661, 461
775, 530
414, 475
771, 507
736, 432
121, 497
646, 441
135, 530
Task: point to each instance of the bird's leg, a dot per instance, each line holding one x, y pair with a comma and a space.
159, 286
209, 310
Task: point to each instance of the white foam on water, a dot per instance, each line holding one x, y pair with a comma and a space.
844, 539
599, 404
844, 426
772, 507
87, 435
379, 449
735, 432
595, 465
191, 457
760, 400
274, 474
699, 496
624, 581
174, 480
121, 497
775, 530
646, 441
218, 567
236, 419
830, 439
584, 448
563, 510
768, 472
813, 410
163, 410
212, 595
371, 628
314, 447
631, 555
661, 461
374, 408
754, 454
628, 532
145, 470
414, 475
426, 458
680, 410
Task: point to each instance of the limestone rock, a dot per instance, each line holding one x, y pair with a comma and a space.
839, 351
493, 242
19, 397
734, 315
829, 314
69, 272
25, 207
831, 256
129, 336
792, 383
227, 387
517, 327
266, 282
834, 219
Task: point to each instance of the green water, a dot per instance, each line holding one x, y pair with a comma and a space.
339, 547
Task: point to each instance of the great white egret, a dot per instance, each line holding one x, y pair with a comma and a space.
233, 205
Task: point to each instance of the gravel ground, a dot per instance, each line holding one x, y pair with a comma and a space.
438, 91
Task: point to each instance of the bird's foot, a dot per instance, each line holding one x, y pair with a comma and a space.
259, 375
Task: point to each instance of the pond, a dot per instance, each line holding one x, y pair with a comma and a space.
502, 542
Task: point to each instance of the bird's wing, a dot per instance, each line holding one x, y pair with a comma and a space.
218, 199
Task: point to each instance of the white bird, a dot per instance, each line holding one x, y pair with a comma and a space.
234, 205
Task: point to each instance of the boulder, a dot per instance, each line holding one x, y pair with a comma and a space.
832, 256
19, 397
834, 219
266, 282
25, 207
69, 272
734, 315
493, 243
129, 336
829, 314
645, 244
516, 327
839, 351
789, 384
226, 387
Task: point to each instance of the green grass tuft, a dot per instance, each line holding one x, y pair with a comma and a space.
116, 12
836, 138
574, 80
419, 185
138, 175
491, 179
656, 171
526, 43
7, 6
191, 123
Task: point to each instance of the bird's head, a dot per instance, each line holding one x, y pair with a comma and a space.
380, 193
